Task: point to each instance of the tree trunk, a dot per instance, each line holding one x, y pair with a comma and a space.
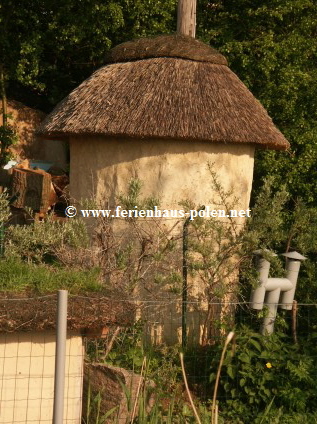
186, 17
3, 97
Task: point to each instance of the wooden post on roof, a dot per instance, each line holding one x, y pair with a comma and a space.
186, 17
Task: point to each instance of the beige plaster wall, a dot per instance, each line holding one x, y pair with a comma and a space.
27, 364
173, 171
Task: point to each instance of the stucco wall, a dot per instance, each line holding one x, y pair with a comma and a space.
171, 170
27, 364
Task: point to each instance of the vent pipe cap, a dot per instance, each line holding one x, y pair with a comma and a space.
294, 255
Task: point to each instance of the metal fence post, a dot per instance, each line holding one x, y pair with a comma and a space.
60, 353
185, 288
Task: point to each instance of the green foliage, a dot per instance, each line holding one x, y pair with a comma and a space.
132, 199
281, 225
30, 261
128, 351
264, 380
130, 348
259, 369
93, 415
8, 137
39, 241
19, 276
49, 47
213, 243
267, 223
137, 253
272, 47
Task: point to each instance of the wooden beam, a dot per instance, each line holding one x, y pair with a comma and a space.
186, 17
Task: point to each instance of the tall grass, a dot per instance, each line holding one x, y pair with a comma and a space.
16, 275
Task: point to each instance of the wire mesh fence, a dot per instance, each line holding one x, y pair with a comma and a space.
27, 364
27, 354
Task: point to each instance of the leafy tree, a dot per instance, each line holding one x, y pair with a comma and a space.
49, 46
272, 46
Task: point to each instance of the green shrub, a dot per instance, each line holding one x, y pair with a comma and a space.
262, 368
39, 241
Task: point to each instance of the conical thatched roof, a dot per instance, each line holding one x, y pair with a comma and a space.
168, 87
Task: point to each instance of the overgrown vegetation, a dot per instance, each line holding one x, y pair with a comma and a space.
30, 260
263, 379
271, 45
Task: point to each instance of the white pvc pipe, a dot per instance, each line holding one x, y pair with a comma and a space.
283, 283
258, 294
60, 357
271, 301
287, 298
274, 291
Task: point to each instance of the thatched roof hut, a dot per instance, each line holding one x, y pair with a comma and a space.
168, 87
160, 110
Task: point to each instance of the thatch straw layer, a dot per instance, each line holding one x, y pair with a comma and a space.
177, 46
84, 313
165, 98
